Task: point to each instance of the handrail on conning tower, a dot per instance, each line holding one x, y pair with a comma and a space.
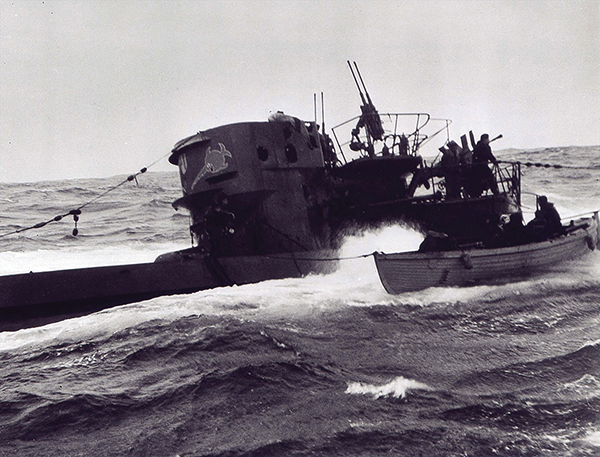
351, 140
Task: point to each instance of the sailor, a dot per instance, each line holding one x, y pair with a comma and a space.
546, 223
537, 227
482, 154
280, 116
515, 231
403, 145
465, 161
493, 235
551, 217
216, 225
436, 241
291, 123
465, 156
356, 144
450, 167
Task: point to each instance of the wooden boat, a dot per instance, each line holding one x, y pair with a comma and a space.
410, 271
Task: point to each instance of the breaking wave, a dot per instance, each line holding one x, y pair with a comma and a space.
397, 388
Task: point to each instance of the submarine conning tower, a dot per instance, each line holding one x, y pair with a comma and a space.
255, 188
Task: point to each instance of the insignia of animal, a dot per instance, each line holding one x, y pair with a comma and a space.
214, 162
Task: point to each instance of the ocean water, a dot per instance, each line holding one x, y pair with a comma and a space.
326, 365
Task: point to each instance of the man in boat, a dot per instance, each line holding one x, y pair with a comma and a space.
493, 235
436, 241
550, 216
515, 232
546, 223
481, 174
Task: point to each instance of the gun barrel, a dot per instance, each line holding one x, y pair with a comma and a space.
362, 97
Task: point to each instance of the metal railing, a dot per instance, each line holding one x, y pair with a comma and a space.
353, 140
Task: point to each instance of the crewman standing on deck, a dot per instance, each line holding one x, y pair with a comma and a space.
450, 160
483, 176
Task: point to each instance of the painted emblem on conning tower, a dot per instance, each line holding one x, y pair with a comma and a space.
214, 162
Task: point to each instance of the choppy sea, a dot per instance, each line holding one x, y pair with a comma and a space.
326, 365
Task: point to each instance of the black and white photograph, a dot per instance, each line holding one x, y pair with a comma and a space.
300, 228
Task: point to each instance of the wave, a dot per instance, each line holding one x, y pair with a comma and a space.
592, 438
508, 415
355, 284
158, 384
549, 374
397, 388
591, 343
41, 417
588, 386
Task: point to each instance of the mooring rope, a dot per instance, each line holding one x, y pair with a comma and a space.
77, 211
588, 213
548, 165
320, 259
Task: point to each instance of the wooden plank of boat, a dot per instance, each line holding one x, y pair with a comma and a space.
409, 271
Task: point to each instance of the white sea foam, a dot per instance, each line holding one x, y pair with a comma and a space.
593, 438
355, 283
14, 262
587, 386
591, 343
387, 238
397, 388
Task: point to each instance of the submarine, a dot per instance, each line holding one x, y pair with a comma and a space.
271, 200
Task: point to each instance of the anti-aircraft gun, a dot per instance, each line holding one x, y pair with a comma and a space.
369, 119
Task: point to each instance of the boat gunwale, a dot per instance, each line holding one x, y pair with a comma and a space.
574, 235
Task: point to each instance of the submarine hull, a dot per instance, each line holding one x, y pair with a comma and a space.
33, 299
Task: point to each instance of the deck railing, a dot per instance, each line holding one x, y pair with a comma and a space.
404, 134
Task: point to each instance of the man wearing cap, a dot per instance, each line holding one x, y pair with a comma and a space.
482, 154
550, 216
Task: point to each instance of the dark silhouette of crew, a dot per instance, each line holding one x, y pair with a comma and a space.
546, 223
403, 145
437, 241
450, 162
482, 177
515, 231
215, 226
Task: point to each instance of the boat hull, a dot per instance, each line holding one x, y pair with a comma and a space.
405, 272
38, 298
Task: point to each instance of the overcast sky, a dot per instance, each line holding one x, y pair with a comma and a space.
100, 88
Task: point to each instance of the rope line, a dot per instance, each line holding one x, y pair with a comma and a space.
579, 215
286, 236
77, 211
320, 259
547, 165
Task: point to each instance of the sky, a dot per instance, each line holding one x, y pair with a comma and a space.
93, 89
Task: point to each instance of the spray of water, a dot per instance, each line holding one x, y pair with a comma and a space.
15, 262
355, 283
397, 388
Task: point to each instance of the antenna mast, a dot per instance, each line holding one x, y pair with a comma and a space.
322, 114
